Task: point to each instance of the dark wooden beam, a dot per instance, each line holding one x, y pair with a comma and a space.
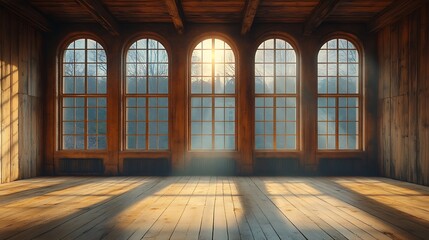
101, 15
28, 13
175, 12
395, 11
319, 14
249, 15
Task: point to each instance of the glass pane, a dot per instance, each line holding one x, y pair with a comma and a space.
331, 142
219, 127
321, 142
163, 142
206, 142
163, 128
219, 142
80, 143
92, 142
352, 142
229, 127
102, 143
68, 142
259, 142
206, 128
259, 128
196, 142
269, 142
153, 142
229, 142
281, 142
269, 128
322, 128
141, 142
290, 142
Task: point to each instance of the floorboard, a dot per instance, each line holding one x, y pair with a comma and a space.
203, 207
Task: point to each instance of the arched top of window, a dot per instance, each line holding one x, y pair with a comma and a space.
338, 67
340, 43
84, 43
219, 39
84, 60
275, 67
339, 104
149, 44
147, 67
212, 67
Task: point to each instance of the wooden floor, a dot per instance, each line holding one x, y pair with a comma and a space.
213, 208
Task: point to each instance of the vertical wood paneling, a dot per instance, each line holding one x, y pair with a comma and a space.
5, 101
403, 61
21, 115
423, 98
413, 96
14, 57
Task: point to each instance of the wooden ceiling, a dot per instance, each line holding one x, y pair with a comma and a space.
110, 13
211, 11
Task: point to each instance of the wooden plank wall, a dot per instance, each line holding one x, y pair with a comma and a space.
21, 115
403, 97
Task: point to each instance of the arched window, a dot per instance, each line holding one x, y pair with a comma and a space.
212, 96
82, 96
276, 98
339, 96
146, 96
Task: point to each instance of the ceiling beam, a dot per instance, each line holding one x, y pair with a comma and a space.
249, 15
101, 15
319, 14
175, 12
395, 11
28, 13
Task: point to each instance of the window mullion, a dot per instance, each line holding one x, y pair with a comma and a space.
274, 98
337, 129
86, 100
146, 97
213, 92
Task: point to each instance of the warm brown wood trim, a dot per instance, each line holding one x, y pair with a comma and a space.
394, 12
341, 154
31, 15
319, 14
249, 15
175, 12
101, 15
277, 154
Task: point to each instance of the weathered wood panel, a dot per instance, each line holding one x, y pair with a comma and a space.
21, 115
403, 60
5, 101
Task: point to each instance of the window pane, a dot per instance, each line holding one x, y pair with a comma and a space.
147, 76
276, 75
338, 116
68, 142
84, 72
212, 117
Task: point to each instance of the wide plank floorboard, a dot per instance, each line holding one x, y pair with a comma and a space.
204, 207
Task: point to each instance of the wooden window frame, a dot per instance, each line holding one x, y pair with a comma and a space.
274, 95
337, 96
146, 96
213, 96
85, 96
